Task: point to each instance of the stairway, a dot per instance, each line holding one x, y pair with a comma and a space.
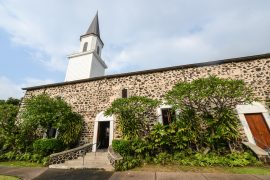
98, 160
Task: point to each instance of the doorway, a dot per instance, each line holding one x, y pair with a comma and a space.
103, 135
259, 129
103, 128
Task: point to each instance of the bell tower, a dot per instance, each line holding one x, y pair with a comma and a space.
87, 63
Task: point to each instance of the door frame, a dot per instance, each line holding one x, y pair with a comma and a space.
101, 118
254, 107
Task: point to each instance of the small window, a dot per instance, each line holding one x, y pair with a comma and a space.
85, 46
98, 50
168, 116
124, 93
51, 132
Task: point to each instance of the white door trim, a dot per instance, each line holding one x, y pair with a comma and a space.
254, 107
101, 117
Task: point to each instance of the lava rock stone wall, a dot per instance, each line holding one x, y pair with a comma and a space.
92, 96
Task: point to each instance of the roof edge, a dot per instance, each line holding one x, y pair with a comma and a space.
208, 63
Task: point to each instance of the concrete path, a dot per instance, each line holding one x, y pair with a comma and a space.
74, 174
91, 174
183, 176
26, 173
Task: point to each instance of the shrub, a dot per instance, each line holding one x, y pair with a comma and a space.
163, 158
9, 129
207, 110
8, 155
25, 157
126, 163
139, 148
212, 159
42, 112
46, 146
123, 147
133, 115
45, 161
36, 158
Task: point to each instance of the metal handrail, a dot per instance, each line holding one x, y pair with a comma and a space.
97, 147
84, 153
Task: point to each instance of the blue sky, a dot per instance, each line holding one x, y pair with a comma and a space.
36, 36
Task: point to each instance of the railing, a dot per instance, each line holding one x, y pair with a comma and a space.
97, 146
70, 154
113, 156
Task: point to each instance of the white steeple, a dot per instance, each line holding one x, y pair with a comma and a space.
87, 63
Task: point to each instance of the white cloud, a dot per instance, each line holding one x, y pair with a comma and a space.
8, 88
29, 82
160, 53
140, 34
32, 29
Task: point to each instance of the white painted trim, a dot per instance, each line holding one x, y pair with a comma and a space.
101, 118
159, 112
254, 107
89, 52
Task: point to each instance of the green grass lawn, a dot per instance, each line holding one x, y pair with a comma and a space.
20, 164
262, 170
8, 178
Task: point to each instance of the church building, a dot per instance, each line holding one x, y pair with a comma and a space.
90, 92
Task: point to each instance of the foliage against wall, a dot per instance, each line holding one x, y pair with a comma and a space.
42, 112
133, 115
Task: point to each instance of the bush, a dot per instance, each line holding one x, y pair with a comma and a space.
163, 158
208, 111
8, 155
25, 157
9, 129
46, 146
36, 158
212, 159
133, 115
123, 147
43, 112
126, 163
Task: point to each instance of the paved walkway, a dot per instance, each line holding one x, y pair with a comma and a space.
183, 176
87, 174
26, 173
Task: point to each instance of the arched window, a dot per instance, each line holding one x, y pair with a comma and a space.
98, 50
85, 46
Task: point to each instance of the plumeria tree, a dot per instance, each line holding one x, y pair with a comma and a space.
208, 109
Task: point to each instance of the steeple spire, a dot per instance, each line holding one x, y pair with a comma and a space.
87, 63
94, 27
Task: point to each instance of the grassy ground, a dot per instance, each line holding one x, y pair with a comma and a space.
8, 178
263, 170
20, 164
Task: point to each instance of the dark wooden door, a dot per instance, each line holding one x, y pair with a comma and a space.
259, 129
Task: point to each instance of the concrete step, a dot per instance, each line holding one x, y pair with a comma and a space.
91, 161
86, 162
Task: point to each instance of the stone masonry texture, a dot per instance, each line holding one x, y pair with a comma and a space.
90, 97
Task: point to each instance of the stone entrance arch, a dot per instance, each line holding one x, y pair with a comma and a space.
102, 118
